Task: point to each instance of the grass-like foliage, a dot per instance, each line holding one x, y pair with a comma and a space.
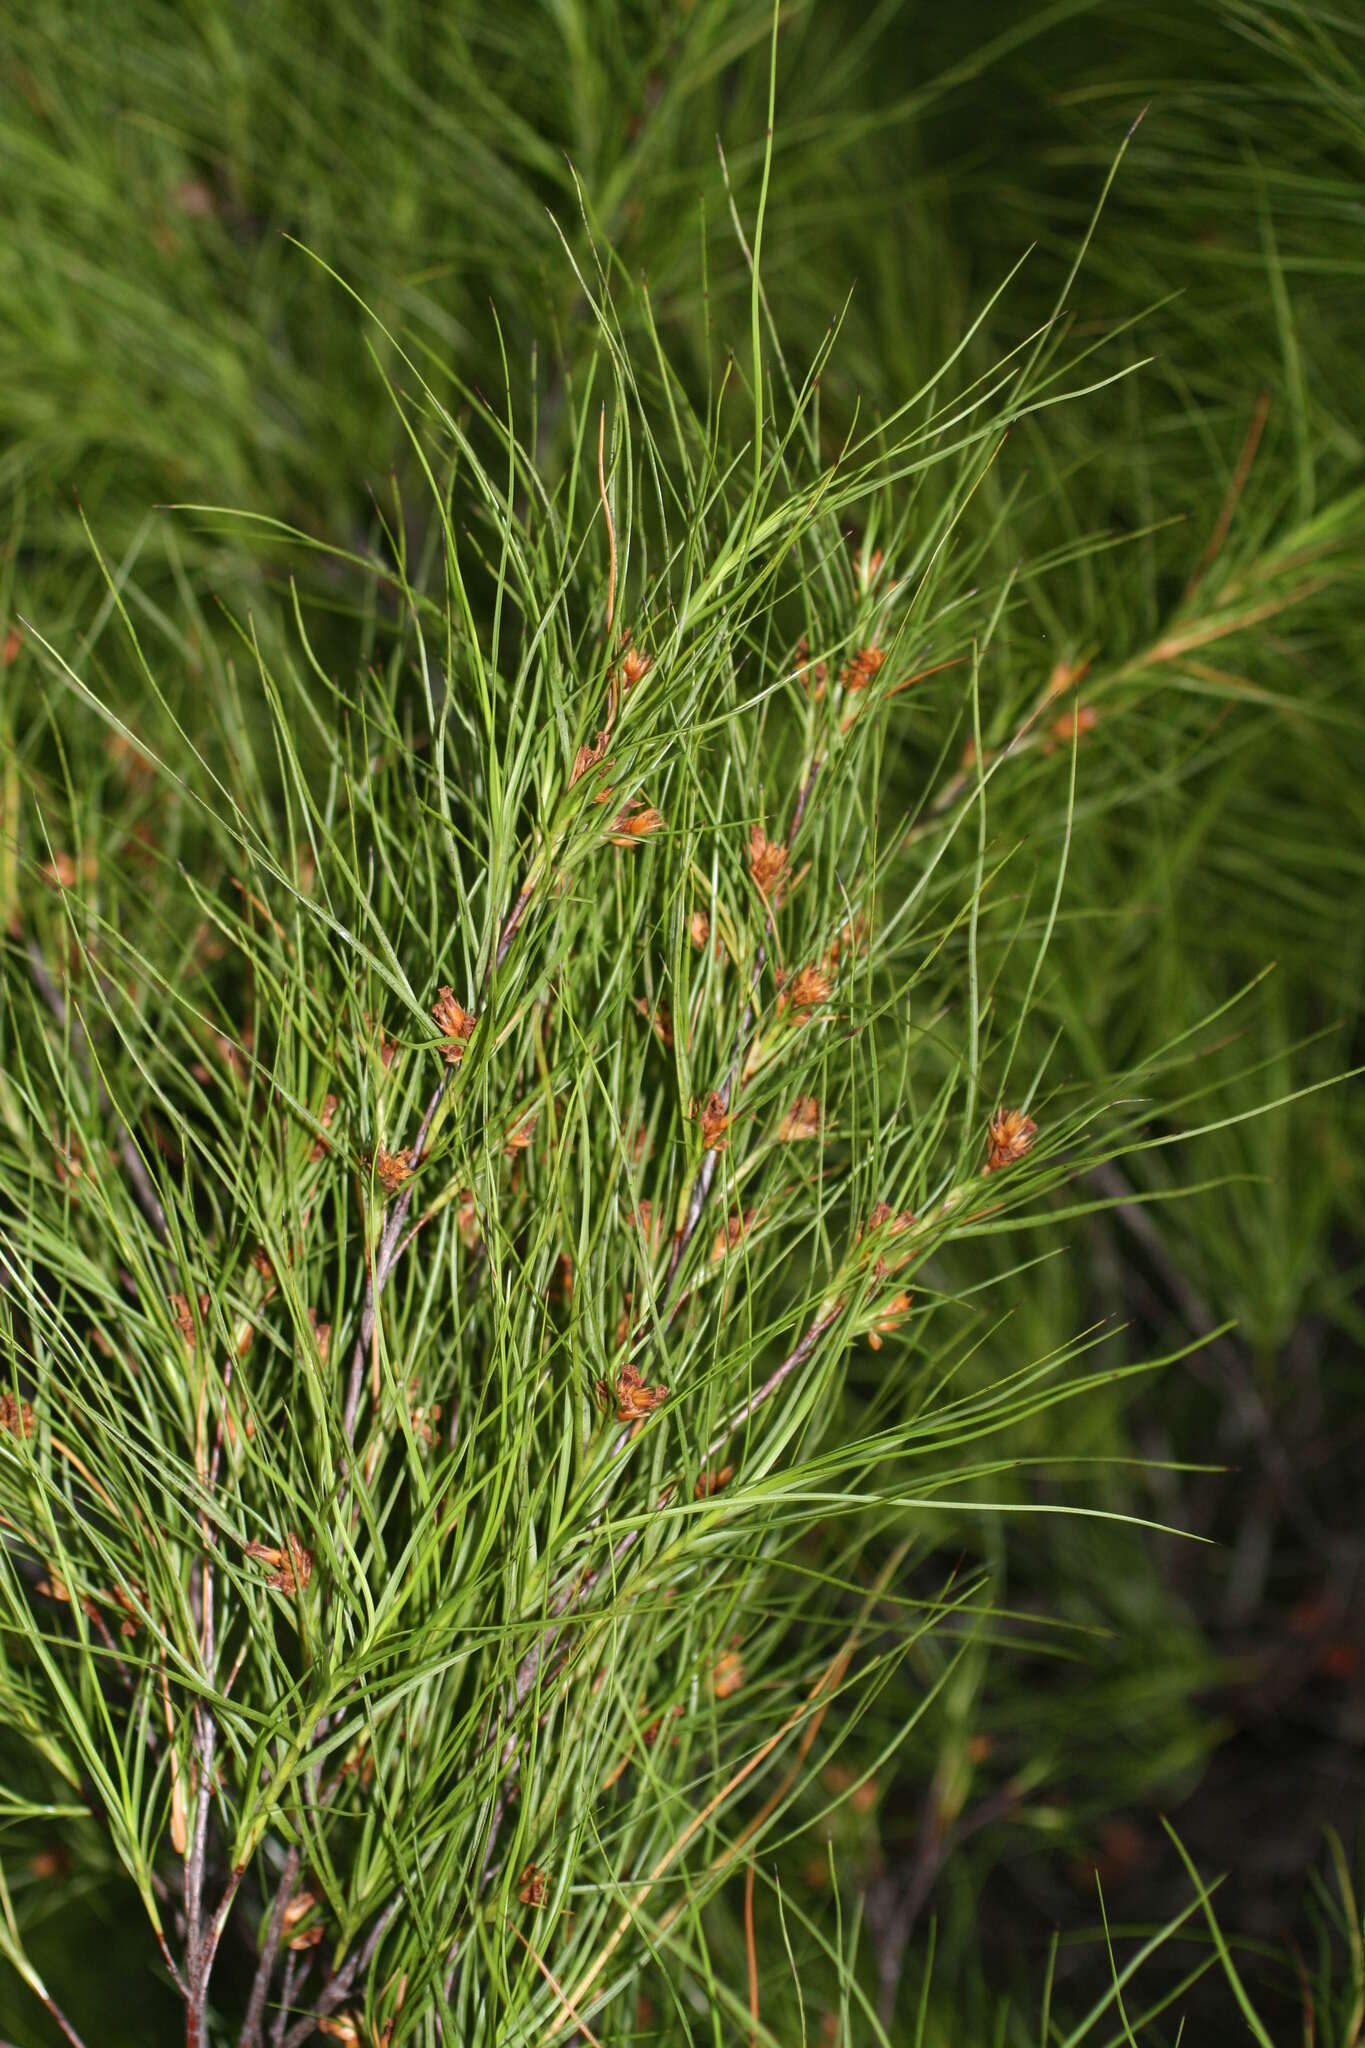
463, 1119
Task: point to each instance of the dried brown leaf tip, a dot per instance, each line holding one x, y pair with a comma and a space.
293, 1566
588, 757
768, 860
888, 1225
455, 1023
863, 669
889, 1319
801, 1121
343, 2027
521, 1132
734, 1233
391, 1169
184, 1316
635, 666
1085, 720
634, 823
709, 1483
659, 1018
425, 1417
325, 1115
1011, 1135
531, 1885
727, 1674
806, 989
16, 1416
69, 1164
714, 1118
295, 1935
634, 1400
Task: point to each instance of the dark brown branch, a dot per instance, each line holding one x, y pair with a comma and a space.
338, 1990
250, 2036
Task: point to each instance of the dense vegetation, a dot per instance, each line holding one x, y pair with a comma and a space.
681, 839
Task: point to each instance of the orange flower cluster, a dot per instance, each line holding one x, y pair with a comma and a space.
634, 1400
808, 987
801, 1121
1010, 1136
768, 859
531, 1885
863, 669
714, 1118
634, 667
16, 1416
709, 1483
734, 1233
184, 1316
727, 1674
455, 1023
298, 1909
293, 1566
889, 1319
634, 823
588, 756
392, 1168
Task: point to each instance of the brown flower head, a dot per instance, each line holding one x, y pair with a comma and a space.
455, 1023
801, 1121
863, 669
808, 987
184, 1316
889, 1225
531, 1885
322, 1335
734, 1233
295, 1935
889, 1319
634, 823
1086, 719
1011, 1136
635, 666
727, 1674
293, 1566
425, 1417
634, 1400
391, 1169
714, 1118
343, 2027
521, 1132
709, 1483
767, 864
16, 1416
699, 927
660, 1019
588, 757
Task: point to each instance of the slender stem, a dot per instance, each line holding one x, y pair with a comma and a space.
386, 1257
334, 1993
774, 1381
250, 2036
